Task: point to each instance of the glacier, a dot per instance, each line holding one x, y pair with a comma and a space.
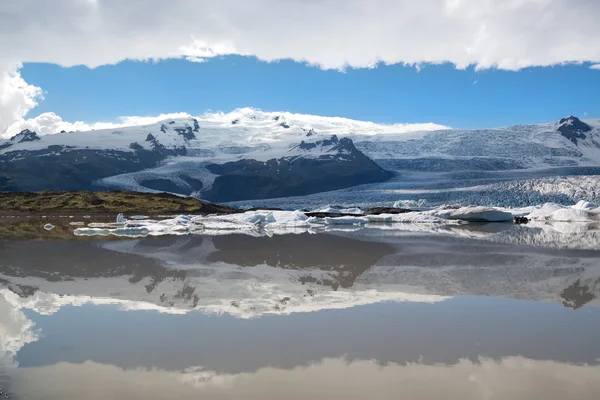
513, 166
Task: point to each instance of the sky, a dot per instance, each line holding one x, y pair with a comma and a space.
73, 64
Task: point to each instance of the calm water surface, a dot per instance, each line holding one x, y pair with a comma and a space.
477, 312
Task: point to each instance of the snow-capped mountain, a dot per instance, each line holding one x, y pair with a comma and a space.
250, 154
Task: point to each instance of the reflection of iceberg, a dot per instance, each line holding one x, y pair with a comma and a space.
330, 378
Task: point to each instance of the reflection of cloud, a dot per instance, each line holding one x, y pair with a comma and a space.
510, 378
16, 330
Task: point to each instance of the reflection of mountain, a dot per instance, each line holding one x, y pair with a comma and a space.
295, 273
250, 276
344, 258
578, 294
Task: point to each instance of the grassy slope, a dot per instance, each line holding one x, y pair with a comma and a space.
97, 203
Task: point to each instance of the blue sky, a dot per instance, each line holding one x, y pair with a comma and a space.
396, 93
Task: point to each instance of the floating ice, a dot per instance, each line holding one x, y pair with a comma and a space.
48, 227
336, 210
410, 203
583, 211
121, 219
339, 221
126, 232
477, 214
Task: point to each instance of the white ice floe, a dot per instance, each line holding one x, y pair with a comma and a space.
336, 210
476, 214
583, 211
253, 223
48, 227
264, 222
120, 218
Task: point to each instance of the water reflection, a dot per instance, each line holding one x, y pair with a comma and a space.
511, 378
249, 276
334, 315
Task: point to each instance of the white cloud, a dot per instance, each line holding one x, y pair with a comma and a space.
50, 123
595, 66
331, 34
17, 97
328, 33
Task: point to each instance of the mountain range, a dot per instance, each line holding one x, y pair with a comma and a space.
249, 154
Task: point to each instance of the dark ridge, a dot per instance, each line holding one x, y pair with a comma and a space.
573, 128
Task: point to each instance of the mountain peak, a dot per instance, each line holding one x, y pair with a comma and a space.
573, 128
25, 136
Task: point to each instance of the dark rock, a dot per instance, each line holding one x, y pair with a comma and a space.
67, 168
25, 136
196, 125
521, 220
342, 167
195, 184
187, 132
311, 132
235, 121
284, 125
136, 146
326, 142
573, 128
5, 145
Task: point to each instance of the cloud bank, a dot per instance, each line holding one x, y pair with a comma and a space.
509, 34
330, 378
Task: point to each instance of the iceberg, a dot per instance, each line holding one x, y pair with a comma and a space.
583, 211
477, 214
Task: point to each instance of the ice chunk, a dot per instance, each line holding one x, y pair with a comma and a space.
48, 227
91, 232
571, 215
583, 211
336, 210
410, 203
126, 231
340, 221
477, 214
585, 205
121, 218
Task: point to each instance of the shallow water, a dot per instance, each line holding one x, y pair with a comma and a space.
472, 312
